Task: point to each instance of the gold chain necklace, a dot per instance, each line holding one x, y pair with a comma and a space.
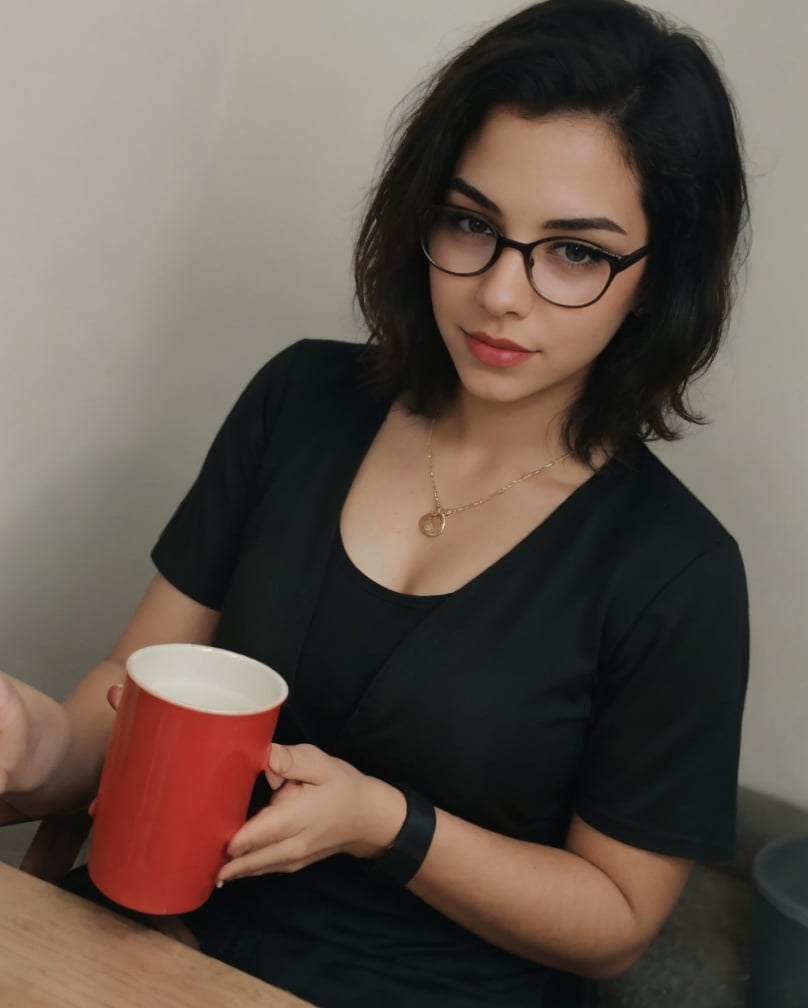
434, 522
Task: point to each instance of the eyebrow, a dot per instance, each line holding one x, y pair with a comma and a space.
557, 224
584, 224
461, 186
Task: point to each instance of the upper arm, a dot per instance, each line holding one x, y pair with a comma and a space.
660, 761
75, 737
660, 765
650, 883
165, 615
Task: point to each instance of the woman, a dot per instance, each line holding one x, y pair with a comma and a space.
516, 644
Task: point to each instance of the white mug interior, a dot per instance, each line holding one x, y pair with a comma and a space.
207, 679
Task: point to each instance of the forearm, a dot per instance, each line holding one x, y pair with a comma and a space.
556, 907
66, 746
539, 902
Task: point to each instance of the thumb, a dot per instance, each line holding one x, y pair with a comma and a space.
303, 763
114, 696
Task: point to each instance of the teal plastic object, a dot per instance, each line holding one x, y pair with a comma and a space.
779, 968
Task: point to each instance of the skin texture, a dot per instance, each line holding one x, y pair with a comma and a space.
593, 907
539, 171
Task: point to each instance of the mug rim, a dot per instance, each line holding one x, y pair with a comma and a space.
141, 654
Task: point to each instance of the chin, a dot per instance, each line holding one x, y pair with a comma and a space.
525, 384
498, 386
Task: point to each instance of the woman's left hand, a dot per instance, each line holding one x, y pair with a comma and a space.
321, 806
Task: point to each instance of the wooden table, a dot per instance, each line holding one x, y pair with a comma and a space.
59, 950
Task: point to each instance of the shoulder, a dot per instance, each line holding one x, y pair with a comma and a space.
659, 538
309, 378
318, 365
319, 361
651, 504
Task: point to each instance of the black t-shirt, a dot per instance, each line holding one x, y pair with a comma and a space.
599, 667
356, 626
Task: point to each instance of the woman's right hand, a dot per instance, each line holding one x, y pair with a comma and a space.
15, 734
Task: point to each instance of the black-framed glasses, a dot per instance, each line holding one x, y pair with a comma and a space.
563, 270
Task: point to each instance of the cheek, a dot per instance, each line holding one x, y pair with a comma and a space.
448, 295
603, 333
440, 291
576, 342
434, 290
608, 315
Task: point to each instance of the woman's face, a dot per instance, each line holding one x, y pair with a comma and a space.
536, 178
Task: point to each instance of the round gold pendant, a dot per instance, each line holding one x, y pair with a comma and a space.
432, 524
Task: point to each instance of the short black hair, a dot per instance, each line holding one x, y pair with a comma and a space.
658, 89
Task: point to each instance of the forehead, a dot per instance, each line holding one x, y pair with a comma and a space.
552, 167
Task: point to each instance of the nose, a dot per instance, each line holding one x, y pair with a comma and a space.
504, 288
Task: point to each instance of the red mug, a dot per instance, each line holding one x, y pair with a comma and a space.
193, 731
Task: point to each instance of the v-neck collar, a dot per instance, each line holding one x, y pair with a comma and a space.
330, 483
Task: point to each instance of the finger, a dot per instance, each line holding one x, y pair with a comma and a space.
279, 762
269, 826
287, 856
114, 696
305, 763
247, 858
275, 780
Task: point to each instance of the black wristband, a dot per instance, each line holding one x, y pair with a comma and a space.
406, 854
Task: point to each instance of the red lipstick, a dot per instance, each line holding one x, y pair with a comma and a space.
499, 353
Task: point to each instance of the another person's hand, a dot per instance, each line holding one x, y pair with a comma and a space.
114, 696
14, 734
321, 806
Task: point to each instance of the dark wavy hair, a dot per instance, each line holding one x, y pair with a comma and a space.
660, 92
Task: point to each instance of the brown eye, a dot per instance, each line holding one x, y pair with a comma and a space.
576, 254
471, 224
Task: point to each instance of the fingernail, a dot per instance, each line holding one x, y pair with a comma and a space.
220, 883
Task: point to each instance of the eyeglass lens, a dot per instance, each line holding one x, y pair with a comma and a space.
565, 271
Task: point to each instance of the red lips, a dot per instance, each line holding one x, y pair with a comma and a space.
500, 344
499, 353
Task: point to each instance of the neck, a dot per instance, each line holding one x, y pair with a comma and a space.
527, 431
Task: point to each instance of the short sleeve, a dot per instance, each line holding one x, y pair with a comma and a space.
198, 549
660, 766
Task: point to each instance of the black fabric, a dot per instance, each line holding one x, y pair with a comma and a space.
598, 667
356, 626
338, 939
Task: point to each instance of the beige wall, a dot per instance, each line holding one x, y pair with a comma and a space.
178, 189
